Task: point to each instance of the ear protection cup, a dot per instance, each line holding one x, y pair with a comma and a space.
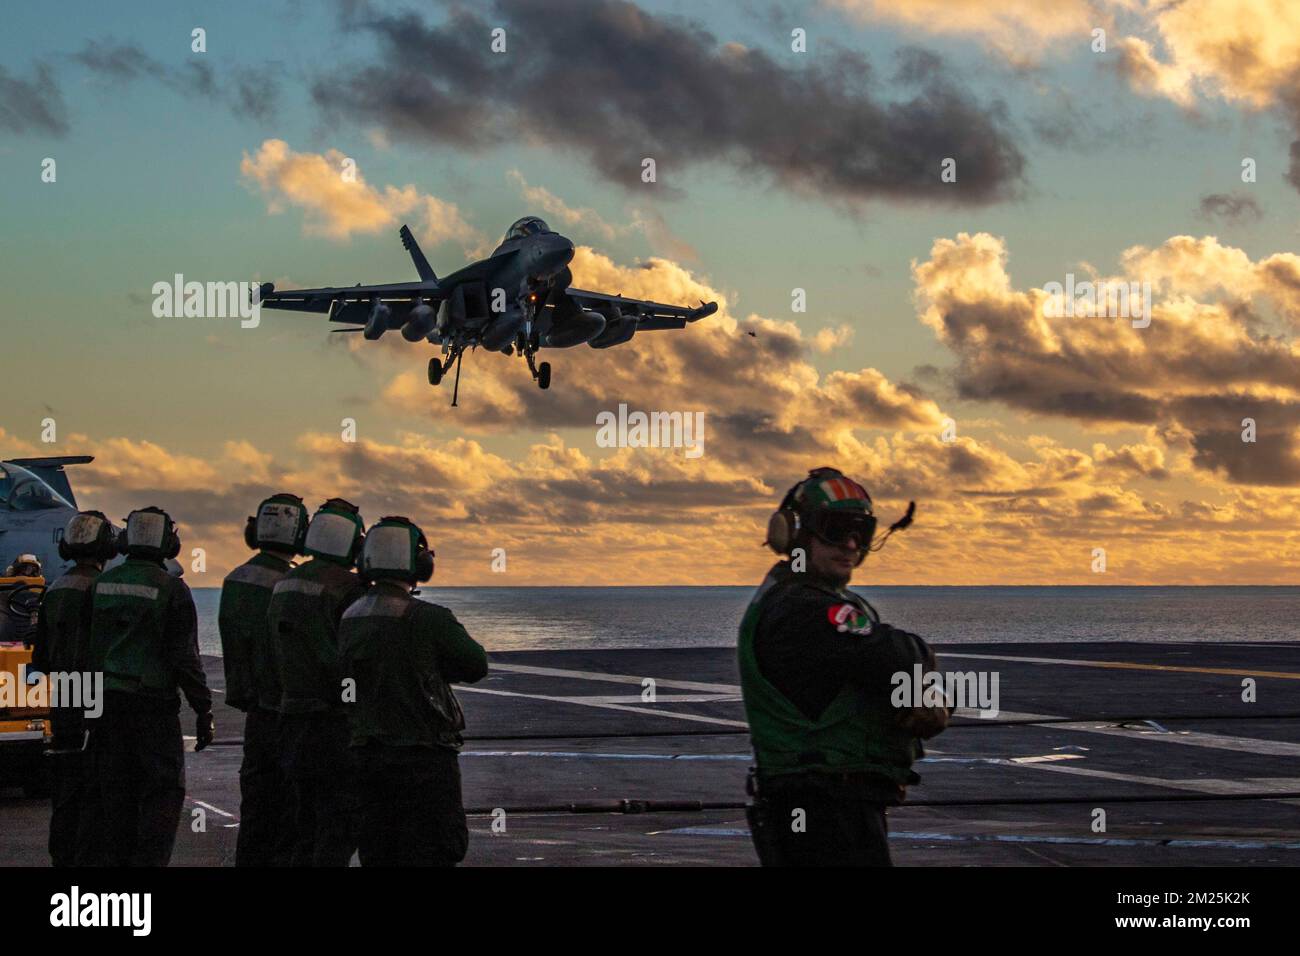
784, 525
423, 559
782, 528
250, 532
172, 543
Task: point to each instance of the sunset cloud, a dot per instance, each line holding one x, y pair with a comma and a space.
1206, 363
1031, 510
1002, 21
338, 202
1244, 52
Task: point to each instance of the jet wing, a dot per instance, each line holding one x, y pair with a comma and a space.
341, 301
650, 315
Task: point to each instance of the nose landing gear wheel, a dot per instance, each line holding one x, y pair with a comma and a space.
544, 376
435, 371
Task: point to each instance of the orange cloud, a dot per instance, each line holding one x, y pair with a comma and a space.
338, 201
993, 19
988, 513
1246, 51
1209, 366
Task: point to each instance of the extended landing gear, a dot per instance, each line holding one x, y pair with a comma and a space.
541, 373
437, 369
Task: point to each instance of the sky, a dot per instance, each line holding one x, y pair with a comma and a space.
800, 152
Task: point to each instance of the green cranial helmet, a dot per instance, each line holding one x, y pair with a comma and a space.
280, 524
335, 533
89, 536
396, 549
151, 534
827, 505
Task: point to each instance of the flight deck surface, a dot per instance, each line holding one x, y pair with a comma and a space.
565, 753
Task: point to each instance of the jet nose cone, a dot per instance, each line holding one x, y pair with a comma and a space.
562, 250
555, 252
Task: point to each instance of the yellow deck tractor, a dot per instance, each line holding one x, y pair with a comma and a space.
24, 710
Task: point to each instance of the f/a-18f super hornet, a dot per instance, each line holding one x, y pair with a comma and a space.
516, 301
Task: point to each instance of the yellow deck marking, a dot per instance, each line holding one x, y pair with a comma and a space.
1126, 665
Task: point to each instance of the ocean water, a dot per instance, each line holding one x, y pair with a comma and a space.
549, 618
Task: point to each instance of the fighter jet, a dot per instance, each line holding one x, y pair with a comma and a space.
516, 301
36, 502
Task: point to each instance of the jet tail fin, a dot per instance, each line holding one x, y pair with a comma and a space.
421, 264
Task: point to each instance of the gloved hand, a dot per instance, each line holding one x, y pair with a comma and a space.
924, 722
205, 730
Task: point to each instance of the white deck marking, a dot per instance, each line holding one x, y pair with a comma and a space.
590, 702
1191, 843
216, 810
616, 678
1275, 748
1254, 785
1192, 738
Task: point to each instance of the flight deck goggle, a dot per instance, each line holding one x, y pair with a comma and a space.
841, 527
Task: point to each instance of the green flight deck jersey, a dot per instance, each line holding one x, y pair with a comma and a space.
403, 653
248, 654
303, 619
144, 635
815, 667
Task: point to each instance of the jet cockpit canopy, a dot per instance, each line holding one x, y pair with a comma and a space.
528, 226
20, 490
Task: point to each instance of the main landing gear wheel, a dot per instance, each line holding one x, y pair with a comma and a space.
544, 376
435, 371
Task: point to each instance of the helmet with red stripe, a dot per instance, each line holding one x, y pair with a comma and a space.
827, 505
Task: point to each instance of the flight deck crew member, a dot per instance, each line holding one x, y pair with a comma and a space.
403, 653
24, 566
277, 532
303, 619
144, 638
62, 646
815, 668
